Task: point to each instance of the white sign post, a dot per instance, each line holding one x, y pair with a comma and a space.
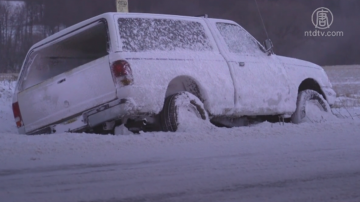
122, 6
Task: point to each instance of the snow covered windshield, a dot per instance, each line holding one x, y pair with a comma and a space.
142, 35
238, 39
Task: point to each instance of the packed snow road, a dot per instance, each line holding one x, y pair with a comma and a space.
269, 162
316, 161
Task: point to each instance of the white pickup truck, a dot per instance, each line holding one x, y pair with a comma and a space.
141, 70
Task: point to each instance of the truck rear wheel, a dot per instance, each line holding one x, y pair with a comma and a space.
179, 111
306, 98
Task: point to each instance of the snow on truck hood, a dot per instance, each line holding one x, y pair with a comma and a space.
298, 67
288, 61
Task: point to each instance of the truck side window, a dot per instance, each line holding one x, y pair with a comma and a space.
67, 53
238, 39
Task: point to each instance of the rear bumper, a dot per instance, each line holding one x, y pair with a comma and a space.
116, 109
113, 110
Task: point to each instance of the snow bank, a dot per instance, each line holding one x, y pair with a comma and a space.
314, 114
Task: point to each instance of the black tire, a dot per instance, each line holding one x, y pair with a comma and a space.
169, 116
304, 96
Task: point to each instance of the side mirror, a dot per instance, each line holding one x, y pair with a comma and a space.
269, 47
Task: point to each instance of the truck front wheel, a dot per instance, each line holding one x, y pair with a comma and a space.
308, 107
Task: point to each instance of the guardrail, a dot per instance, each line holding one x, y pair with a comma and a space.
347, 112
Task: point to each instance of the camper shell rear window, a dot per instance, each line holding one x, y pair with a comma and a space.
70, 51
148, 34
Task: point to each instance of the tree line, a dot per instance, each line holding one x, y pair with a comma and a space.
23, 23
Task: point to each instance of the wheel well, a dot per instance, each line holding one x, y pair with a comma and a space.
185, 83
311, 84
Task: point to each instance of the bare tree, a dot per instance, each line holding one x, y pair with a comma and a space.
286, 21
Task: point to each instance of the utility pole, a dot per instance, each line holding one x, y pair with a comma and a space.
122, 6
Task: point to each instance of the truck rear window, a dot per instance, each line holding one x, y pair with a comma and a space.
69, 52
143, 35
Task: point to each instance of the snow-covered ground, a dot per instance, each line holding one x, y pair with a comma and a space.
7, 123
346, 83
313, 161
269, 162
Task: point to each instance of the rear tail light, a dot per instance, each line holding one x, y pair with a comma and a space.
17, 114
122, 73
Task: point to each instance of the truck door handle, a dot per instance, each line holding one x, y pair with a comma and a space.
241, 64
61, 81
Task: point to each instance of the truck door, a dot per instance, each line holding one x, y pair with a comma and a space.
261, 86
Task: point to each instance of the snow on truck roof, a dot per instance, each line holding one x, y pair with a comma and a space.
108, 16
